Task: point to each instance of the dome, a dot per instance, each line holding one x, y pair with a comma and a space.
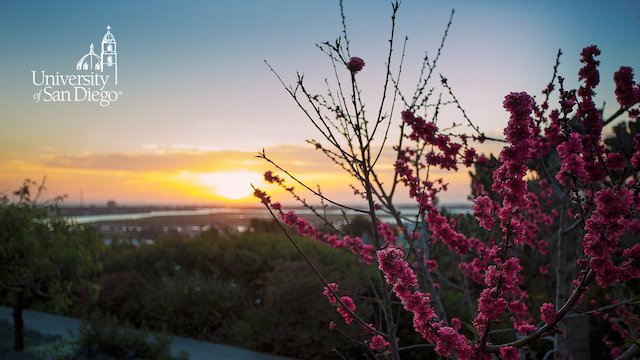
91, 61
108, 36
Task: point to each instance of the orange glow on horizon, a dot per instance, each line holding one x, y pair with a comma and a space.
197, 177
231, 185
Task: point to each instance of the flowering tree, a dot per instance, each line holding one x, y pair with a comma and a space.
559, 199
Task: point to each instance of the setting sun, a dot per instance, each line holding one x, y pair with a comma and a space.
231, 185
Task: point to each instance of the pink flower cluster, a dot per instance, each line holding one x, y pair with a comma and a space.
378, 343
548, 313
355, 64
264, 198
272, 179
627, 93
443, 229
403, 279
420, 128
483, 211
589, 72
500, 279
572, 163
344, 300
616, 161
484, 251
540, 213
522, 320
509, 353
387, 233
589, 114
603, 231
364, 251
355, 244
509, 177
448, 150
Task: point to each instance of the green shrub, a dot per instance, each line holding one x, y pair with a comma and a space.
120, 296
108, 341
194, 305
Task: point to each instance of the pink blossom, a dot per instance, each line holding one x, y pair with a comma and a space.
572, 164
387, 233
378, 343
469, 156
270, 178
420, 129
355, 64
524, 328
262, 196
449, 340
589, 115
395, 269
482, 210
509, 177
456, 323
615, 352
626, 92
442, 229
349, 304
548, 313
589, 72
615, 161
347, 301
397, 273
490, 307
304, 228
328, 292
432, 265
509, 353
543, 269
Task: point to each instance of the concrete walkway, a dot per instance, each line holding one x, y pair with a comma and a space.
58, 325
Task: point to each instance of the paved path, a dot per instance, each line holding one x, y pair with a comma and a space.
58, 325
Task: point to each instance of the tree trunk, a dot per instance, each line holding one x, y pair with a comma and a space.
578, 337
18, 323
559, 346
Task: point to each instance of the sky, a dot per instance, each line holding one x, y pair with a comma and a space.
196, 101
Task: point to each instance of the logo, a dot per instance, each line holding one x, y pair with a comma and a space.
94, 81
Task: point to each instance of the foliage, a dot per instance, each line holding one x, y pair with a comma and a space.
225, 288
46, 260
108, 341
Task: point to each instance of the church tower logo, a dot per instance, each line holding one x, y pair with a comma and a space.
96, 76
106, 61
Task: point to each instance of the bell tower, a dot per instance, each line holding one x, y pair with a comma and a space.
109, 54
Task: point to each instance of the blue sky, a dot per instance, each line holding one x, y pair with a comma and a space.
193, 77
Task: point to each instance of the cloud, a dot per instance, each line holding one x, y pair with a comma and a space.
161, 172
182, 157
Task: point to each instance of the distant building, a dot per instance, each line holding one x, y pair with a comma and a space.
106, 61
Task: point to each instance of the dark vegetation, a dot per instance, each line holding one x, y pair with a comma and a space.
249, 290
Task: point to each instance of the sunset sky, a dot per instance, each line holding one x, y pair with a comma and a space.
197, 101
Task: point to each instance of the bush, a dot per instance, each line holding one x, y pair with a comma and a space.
107, 341
292, 319
194, 305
